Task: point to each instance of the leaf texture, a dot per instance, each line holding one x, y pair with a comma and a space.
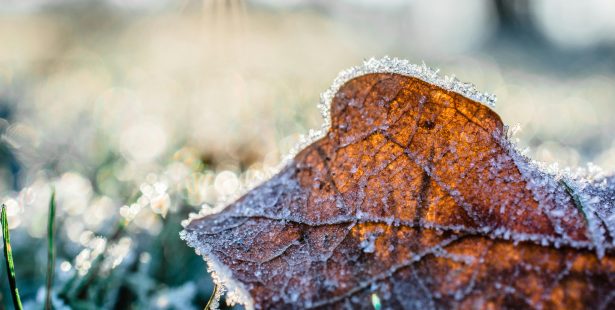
416, 195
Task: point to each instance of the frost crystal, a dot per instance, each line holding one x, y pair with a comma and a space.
403, 67
387, 64
222, 276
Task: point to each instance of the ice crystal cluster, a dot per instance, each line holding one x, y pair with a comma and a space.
387, 64
403, 67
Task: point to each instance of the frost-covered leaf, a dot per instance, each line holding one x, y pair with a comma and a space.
414, 195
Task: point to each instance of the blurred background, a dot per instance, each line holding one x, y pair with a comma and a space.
139, 112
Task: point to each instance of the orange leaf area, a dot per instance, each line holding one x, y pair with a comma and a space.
416, 195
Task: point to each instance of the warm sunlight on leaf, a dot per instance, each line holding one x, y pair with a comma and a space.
416, 196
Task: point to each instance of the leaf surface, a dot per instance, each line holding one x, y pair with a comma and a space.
416, 195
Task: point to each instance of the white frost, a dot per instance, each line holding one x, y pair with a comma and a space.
236, 293
395, 65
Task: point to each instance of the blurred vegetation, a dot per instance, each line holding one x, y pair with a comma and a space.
141, 112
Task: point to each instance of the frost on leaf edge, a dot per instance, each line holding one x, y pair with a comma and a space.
393, 65
221, 274
236, 291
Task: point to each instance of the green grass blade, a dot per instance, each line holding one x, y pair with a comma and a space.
212, 298
51, 255
376, 302
575, 199
8, 255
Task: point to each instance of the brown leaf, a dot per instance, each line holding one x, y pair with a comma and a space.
415, 195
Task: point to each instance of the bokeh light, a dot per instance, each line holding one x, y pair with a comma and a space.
140, 112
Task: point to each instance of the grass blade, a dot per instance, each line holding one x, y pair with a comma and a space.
212, 298
51, 255
8, 255
376, 302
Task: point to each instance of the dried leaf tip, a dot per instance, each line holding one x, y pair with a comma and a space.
388, 64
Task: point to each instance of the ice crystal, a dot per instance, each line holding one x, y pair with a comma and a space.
388, 64
222, 276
